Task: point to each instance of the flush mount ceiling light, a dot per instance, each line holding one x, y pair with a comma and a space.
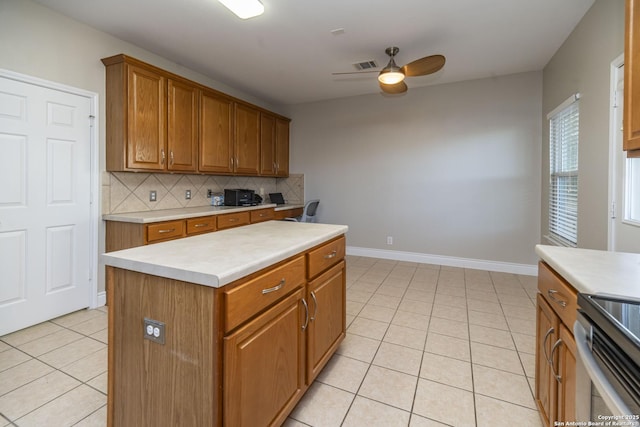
391, 74
244, 9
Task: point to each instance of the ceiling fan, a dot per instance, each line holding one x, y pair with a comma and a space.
391, 77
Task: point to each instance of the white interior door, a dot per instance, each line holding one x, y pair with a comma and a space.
624, 230
45, 195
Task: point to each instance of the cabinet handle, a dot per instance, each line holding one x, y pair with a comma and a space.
169, 230
553, 368
306, 315
231, 160
331, 255
544, 345
315, 306
275, 288
171, 157
201, 225
551, 293
162, 154
233, 220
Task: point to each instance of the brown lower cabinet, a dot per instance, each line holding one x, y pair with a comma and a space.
239, 355
555, 348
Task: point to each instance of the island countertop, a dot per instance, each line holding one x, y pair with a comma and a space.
595, 272
216, 259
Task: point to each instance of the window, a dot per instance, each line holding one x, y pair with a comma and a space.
632, 184
563, 176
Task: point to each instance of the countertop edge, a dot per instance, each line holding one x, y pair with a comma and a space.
148, 217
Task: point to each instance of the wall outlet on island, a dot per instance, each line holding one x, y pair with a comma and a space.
389, 240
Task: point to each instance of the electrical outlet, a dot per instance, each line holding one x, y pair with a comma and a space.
154, 330
209, 193
153, 196
187, 194
389, 240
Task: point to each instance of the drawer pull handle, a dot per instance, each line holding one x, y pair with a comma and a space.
275, 288
330, 255
551, 293
206, 224
233, 220
315, 306
169, 230
306, 315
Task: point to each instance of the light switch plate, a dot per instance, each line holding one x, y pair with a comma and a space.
154, 330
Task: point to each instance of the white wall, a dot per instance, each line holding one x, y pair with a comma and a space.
582, 64
450, 170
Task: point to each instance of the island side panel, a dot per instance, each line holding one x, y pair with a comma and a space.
175, 383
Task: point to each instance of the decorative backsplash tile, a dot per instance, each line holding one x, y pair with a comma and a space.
129, 191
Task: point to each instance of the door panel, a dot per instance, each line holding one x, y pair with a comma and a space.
45, 216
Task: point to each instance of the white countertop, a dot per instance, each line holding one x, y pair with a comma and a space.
216, 259
595, 272
184, 213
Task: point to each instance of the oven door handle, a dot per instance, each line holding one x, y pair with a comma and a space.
608, 393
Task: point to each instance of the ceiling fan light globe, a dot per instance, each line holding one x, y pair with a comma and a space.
390, 77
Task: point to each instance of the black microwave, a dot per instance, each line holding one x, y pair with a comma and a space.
239, 197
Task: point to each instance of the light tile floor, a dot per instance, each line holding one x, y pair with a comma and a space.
426, 346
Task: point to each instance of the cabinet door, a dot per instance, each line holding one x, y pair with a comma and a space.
632, 77
182, 127
327, 321
567, 371
216, 133
146, 119
267, 145
282, 148
247, 148
264, 366
546, 336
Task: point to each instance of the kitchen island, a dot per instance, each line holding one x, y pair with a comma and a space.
226, 328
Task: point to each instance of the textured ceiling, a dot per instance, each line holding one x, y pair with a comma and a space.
287, 55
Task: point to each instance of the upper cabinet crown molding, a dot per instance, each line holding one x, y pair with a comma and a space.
158, 121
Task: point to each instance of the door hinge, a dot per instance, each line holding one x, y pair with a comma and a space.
92, 120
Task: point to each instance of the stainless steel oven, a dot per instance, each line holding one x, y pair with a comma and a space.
607, 333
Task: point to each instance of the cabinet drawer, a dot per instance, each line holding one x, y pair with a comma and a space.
165, 231
325, 256
558, 293
262, 215
233, 220
250, 298
201, 225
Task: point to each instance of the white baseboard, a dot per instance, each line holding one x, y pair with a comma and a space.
102, 299
476, 264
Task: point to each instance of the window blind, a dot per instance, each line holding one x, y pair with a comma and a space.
563, 179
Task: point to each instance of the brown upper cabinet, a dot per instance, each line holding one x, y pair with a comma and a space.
631, 138
161, 122
247, 148
274, 146
216, 133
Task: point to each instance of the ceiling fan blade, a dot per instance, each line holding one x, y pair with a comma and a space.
396, 88
424, 66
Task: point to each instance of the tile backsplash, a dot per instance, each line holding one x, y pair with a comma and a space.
129, 191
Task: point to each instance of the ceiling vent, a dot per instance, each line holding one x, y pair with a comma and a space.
366, 65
